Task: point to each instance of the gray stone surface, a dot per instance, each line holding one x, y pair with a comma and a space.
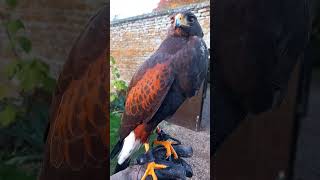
199, 141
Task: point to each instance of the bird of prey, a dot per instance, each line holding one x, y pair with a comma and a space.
76, 140
161, 84
256, 46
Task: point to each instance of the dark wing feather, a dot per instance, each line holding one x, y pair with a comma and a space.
191, 65
76, 146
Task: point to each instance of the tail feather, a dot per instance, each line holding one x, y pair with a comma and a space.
122, 166
116, 149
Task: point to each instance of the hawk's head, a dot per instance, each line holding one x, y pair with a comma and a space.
186, 24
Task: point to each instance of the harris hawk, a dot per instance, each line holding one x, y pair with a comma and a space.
76, 138
173, 73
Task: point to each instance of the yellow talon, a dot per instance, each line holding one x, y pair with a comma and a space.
169, 148
146, 147
150, 170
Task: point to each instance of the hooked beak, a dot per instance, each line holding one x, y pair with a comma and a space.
180, 21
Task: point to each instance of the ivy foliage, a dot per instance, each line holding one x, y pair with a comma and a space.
118, 86
25, 95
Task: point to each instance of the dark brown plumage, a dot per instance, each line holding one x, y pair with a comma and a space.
77, 142
165, 80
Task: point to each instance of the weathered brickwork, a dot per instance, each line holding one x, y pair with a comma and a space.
134, 39
52, 26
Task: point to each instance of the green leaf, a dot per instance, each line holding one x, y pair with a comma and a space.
113, 97
41, 66
120, 85
11, 3
7, 116
11, 69
29, 76
8, 48
3, 91
25, 43
49, 84
43, 70
14, 26
112, 60
117, 74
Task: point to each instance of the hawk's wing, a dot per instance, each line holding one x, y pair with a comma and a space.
77, 141
146, 92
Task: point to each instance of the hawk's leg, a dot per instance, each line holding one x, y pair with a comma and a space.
163, 139
151, 166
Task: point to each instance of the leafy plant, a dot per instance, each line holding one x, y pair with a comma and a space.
118, 86
114, 126
117, 100
23, 114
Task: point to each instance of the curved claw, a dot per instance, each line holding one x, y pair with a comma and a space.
150, 170
174, 139
162, 136
175, 169
169, 149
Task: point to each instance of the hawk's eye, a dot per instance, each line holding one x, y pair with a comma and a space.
191, 19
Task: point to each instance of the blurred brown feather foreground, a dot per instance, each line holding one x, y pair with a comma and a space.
77, 142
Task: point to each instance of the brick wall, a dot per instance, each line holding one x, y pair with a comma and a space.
52, 26
134, 39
